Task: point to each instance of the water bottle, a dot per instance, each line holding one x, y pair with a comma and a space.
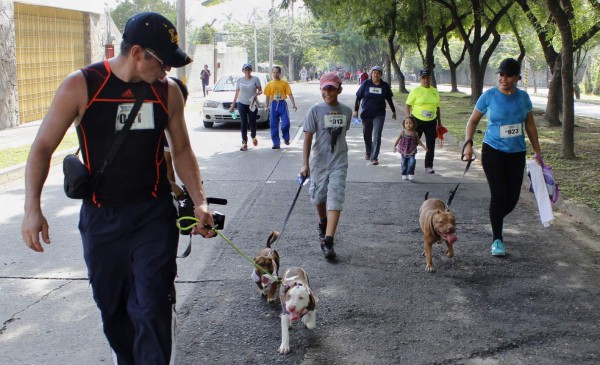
233, 115
300, 180
356, 120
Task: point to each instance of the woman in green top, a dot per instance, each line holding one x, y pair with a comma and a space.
423, 104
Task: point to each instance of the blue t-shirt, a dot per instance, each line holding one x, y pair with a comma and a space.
373, 98
506, 116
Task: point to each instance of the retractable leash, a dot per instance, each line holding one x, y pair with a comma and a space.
250, 260
301, 181
462, 157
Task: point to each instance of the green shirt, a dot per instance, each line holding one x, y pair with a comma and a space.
424, 102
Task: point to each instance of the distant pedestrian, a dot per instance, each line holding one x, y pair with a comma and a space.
277, 91
373, 93
327, 123
205, 77
423, 104
406, 144
509, 115
304, 74
248, 88
364, 76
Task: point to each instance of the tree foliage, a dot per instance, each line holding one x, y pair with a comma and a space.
125, 9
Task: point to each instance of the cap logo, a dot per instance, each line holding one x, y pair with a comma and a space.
174, 36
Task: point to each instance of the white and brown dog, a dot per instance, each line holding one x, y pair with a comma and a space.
438, 224
267, 258
297, 301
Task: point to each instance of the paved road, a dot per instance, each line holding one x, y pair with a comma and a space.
376, 305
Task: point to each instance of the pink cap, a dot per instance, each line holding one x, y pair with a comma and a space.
331, 79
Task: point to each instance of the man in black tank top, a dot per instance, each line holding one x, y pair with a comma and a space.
128, 224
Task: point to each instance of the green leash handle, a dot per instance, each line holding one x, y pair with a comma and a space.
249, 259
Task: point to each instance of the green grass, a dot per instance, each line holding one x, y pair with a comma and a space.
18, 155
578, 179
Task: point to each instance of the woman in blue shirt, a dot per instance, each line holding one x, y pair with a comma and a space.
509, 116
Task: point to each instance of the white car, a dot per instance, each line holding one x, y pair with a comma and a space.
218, 101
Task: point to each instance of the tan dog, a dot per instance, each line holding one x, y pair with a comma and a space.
438, 224
297, 301
267, 258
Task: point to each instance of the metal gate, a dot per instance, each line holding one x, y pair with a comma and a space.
49, 45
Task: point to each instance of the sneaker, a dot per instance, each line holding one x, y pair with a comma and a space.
327, 248
411, 177
244, 147
498, 248
404, 177
375, 162
322, 229
275, 147
367, 157
429, 170
254, 141
287, 142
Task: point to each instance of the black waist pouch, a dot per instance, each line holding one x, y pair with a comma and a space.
78, 182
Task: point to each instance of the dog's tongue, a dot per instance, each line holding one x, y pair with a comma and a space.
265, 279
451, 238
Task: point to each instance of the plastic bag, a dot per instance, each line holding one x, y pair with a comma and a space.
440, 131
551, 183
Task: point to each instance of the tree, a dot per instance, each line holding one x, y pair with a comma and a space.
484, 17
127, 8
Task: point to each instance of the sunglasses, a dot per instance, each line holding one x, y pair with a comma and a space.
153, 54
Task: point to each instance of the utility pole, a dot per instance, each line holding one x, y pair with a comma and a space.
271, 16
181, 33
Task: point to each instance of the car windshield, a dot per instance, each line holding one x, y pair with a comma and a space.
226, 83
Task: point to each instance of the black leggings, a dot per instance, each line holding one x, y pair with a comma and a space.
504, 173
429, 128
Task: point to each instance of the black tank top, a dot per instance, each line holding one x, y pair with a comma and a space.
138, 172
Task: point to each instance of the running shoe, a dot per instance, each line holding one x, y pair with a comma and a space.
255, 141
411, 177
498, 248
327, 248
404, 177
429, 170
244, 146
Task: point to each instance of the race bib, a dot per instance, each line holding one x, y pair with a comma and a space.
144, 119
510, 131
427, 114
335, 121
375, 90
278, 97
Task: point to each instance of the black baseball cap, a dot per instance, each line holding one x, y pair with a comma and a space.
509, 66
154, 31
424, 73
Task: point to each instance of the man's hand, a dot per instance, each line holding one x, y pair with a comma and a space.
204, 217
33, 224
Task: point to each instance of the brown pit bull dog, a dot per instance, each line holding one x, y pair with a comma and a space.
268, 258
438, 224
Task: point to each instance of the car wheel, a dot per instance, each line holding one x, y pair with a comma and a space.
208, 124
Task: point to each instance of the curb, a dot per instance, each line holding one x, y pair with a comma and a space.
18, 171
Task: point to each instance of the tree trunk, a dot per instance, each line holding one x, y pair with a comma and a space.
453, 81
477, 76
566, 55
554, 106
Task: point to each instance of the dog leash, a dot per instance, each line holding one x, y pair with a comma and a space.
462, 158
249, 259
301, 181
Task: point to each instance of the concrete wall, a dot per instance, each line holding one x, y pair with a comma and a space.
9, 106
204, 54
